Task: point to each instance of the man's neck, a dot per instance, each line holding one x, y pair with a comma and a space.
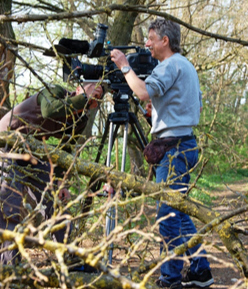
168, 54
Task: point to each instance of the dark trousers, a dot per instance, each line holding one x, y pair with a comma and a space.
23, 186
178, 229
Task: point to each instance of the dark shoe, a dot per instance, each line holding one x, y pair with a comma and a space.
73, 263
84, 268
202, 280
162, 284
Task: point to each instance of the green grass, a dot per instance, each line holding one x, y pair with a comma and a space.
208, 183
202, 196
215, 181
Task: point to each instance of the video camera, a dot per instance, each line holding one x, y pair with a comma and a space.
141, 61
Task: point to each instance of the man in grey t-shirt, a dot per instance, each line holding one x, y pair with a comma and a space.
174, 91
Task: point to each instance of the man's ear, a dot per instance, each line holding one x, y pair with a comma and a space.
166, 40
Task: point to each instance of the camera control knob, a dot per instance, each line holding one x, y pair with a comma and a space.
125, 69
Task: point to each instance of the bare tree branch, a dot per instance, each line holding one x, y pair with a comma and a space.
43, 5
21, 239
13, 50
108, 10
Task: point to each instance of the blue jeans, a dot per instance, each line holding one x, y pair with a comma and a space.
177, 230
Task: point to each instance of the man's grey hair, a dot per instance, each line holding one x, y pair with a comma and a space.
170, 29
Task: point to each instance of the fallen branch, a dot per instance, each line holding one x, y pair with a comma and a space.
142, 186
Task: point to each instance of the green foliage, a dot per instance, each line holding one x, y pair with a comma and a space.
52, 140
208, 183
224, 118
215, 181
202, 196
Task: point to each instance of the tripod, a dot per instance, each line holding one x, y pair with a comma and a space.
121, 116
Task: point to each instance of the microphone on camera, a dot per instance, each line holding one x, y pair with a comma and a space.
76, 46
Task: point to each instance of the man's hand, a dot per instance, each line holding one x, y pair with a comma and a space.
107, 188
93, 91
149, 109
64, 195
119, 58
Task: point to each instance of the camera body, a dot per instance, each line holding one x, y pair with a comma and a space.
141, 61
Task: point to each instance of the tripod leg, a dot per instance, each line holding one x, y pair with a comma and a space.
89, 200
110, 143
103, 141
112, 135
110, 225
110, 216
137, 129
111, 213
124, 148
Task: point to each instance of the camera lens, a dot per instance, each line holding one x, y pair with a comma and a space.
91, 71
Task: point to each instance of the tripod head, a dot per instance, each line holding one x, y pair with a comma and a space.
122, 94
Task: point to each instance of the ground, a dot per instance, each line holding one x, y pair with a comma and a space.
224, 270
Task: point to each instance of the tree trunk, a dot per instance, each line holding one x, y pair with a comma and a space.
7, 59
121, 31
124, 23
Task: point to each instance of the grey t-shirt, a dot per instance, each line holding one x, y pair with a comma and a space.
174, 90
